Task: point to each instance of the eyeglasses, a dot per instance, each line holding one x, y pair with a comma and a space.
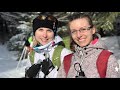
82, 30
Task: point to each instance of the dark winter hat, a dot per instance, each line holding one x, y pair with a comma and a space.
47, 21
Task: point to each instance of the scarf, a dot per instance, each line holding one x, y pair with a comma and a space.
47, 48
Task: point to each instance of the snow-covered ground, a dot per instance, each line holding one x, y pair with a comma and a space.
112, 44
8, 62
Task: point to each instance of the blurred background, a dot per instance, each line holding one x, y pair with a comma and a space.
16, 27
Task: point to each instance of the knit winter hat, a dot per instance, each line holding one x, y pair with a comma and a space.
46, 21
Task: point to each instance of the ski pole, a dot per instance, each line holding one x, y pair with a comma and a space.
21, 57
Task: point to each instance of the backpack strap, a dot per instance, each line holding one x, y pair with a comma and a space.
102, 62
67, 62
56, 58
31, 55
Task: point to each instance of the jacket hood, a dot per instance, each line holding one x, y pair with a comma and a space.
97, 43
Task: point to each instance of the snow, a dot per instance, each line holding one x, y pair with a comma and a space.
8, 62
112, 44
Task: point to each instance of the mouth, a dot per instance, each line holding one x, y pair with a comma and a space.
81, 39
44, 40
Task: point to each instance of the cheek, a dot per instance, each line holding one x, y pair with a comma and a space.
73, 37
37, 33
90, 38
37, 36
51, 35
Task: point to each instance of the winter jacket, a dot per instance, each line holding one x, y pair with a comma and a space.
87, 57
39, 57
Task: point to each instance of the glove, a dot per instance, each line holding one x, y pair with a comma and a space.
33, 71
47, 65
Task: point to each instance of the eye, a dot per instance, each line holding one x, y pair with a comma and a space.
49, 30
83, 29
73, 31
40, 29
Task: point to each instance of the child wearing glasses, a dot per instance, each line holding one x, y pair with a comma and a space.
87, 46
47, 49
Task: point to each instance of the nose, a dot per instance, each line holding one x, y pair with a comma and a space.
78, 33
45, 34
